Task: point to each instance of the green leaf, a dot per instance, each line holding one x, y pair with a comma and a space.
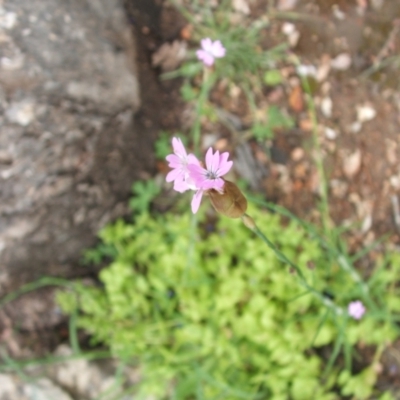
163, 145
144, 193
262, 131
273, 77
360, 385
276, 119
387, 396
187, 92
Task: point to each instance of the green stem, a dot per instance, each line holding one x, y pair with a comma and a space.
29, 287
318, 160
207, 84
327, 244
302, 280
16, 365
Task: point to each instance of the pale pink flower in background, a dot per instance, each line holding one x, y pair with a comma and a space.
356, 309
179, 162
210, 51
208, 178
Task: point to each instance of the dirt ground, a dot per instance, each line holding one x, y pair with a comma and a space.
358, 111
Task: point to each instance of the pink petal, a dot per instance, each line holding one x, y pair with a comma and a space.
219, 184
173, 159
200, 54
216, 184
209, 158
224, 169
173, 175
215, 162
196, 175
192, 159
178, 147
207, 58
218, 50
196, 201
196, 171
181, 186
223, 158
201, 182
224, 164
208, 184
207, 44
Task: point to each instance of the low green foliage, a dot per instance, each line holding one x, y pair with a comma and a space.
273, 77
275, 119
162, 146
144, 193
215, 315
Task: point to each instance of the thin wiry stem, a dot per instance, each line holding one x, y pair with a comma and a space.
249, 222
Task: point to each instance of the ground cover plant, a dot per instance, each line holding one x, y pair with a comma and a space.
213, 313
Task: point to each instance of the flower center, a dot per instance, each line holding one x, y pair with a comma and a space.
211, 175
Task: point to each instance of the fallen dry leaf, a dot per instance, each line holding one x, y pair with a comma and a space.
170, 55
296, 101
306, 125
186, 32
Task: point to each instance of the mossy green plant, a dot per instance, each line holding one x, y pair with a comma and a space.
221, 317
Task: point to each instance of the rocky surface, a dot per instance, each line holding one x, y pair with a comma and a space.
12, 388
68, 150
77, 379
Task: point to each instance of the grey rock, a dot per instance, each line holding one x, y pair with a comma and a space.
68, 148
44, 389
77, 379
12, 388
8, 387
86, 379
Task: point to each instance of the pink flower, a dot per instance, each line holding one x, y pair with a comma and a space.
356, 309
179, 162
209, 178
210, 51
187, 173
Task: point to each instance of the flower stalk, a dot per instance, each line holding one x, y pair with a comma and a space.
250, 223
